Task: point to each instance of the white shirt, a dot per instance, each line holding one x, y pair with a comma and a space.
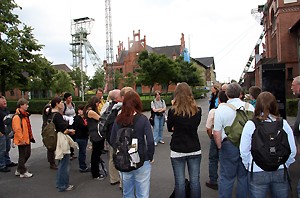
224, 115
245, 146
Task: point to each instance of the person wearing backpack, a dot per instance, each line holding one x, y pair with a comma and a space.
267, 149
23, 137
46, 116
158, 106
184, 118
63, 171
136, 180
5, 139
231, 166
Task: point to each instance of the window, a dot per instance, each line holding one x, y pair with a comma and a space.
12, 93
290, 74
273, 20
289, 1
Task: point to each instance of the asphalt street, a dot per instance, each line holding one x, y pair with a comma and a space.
42, 184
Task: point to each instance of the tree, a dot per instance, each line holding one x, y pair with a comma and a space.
97, 80
61, 83
187, 73
118, 77
153, 64
19, 60
129, 80
76, 77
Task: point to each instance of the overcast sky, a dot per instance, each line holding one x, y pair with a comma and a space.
225, 30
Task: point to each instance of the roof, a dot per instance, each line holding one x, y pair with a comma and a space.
62, 67
169, 51
199, 63
207, 61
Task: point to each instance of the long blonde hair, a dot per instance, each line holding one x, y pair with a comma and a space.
184, 103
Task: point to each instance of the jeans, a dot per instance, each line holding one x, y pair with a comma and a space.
62, 175
24, 154
231, 167
95, 157
2, 151
213, 162
137, 181
261, 182
193, 164
82, 144
158, 128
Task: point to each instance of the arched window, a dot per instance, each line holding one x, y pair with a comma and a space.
273, 20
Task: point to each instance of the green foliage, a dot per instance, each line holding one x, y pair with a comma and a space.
187, 72
292, 107
61, 83
76, 77
19, 57
118, 77
98, 79
129, 80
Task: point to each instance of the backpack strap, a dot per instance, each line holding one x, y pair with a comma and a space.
230, 106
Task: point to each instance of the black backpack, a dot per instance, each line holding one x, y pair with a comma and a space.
122, 159
107, 120
270, 146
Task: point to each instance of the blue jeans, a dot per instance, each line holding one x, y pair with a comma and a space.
5, 143
193, 164
158, 128
82, 144
62, 175
261, 182
231, 167
213, 162
138, 181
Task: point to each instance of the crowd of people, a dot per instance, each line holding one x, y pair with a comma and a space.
228, 161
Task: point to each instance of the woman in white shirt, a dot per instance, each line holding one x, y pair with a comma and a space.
262, 181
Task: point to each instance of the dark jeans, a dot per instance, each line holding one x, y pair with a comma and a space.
95, 158
213, 162
24, 154
62, 175
51, 156
82, 144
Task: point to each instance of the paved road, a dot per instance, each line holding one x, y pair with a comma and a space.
42, 184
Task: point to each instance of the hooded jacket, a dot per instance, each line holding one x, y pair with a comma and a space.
22, 133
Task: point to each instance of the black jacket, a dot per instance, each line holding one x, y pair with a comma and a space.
185, 137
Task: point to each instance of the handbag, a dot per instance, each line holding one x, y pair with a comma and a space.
151, 118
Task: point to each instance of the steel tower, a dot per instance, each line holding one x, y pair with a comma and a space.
109, 35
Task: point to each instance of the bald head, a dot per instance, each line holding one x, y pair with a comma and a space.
114, 95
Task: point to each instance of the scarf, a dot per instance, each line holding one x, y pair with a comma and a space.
25, 115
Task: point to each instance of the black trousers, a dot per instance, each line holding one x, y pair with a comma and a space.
95, 158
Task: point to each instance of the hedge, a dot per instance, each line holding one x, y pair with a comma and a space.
36, 106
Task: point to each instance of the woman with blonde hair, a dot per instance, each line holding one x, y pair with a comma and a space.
183, 120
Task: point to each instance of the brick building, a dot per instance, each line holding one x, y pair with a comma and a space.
281, 22
126, 61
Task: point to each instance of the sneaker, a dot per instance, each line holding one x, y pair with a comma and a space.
101, 177
12, 164
162, 142
211, 185
73, 157
53, 166
26, 175
5, 170
155, 144
85, 170
17, 173
70, 187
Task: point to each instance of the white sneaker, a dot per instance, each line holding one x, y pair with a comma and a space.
17, 173
26, 175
